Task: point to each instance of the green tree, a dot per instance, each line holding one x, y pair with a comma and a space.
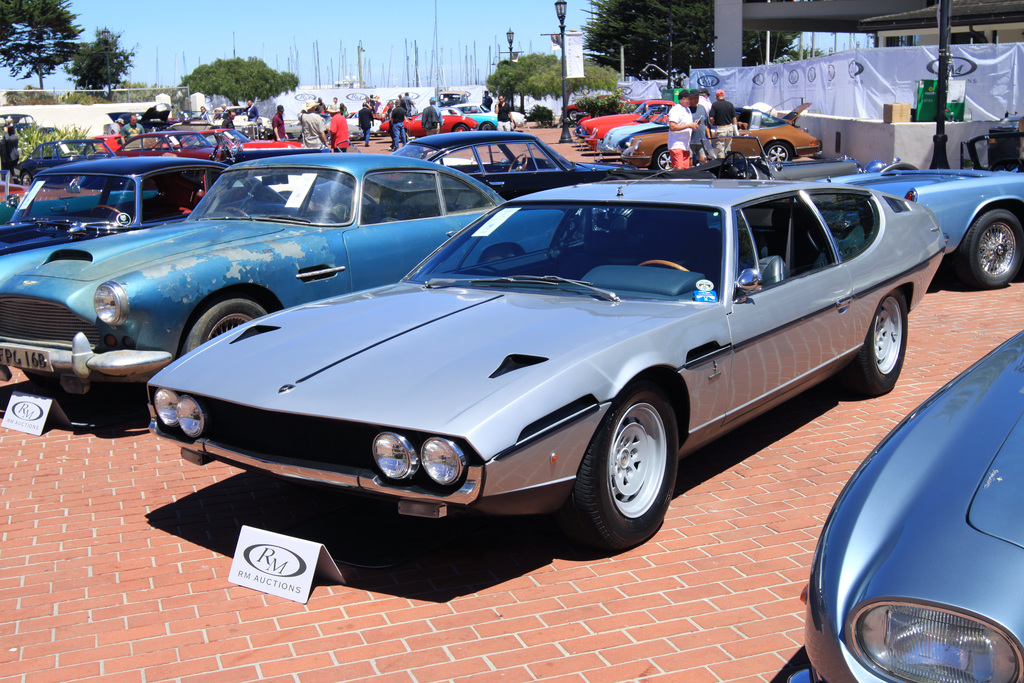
240, 79
88, 67
641, 26
539, 75
37, 36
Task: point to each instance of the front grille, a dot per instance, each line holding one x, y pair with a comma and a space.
33, 320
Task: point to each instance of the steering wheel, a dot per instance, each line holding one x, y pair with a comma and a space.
735, 165
95, 211
520, 163
664, 264
1007, 164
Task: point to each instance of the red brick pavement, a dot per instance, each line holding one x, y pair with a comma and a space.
114, 556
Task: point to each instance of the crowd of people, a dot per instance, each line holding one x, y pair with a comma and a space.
694, 121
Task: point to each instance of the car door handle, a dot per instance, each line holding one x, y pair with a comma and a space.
318, 274
843, 304
496, 183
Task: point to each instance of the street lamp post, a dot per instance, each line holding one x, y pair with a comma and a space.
560, 11
510, 36
105, 34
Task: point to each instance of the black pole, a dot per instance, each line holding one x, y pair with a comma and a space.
566, 136
939, 158
671, 84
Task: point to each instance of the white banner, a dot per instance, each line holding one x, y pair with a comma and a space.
574, 55
856, 83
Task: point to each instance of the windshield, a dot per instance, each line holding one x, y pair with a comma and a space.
236, 136
633, 251
304, 195
80, 199
82, 148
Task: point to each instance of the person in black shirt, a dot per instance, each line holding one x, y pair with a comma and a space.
504, 114
723, 119
486, 102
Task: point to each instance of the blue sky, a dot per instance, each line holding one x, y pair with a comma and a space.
177, 37
171, 41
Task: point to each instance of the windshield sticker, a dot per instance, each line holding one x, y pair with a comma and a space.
706, 296
705, 285
299, 186
124, 219
494, 222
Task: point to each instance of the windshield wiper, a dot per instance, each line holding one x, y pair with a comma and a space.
552, 280
284, 219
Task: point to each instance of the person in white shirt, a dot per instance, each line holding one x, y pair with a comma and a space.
680, 126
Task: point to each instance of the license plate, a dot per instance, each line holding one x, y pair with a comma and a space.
25, 359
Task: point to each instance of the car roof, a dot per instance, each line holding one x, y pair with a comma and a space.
473, 137
129, 165
355, 163
698, 192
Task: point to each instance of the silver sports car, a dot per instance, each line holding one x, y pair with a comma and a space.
559, 353
917, 573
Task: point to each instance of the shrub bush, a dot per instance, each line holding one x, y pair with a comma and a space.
541, 115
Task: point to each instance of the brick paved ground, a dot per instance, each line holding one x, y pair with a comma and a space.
114, 555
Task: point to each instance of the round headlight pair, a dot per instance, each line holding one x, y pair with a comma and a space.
923, 644
111, 303
442, 460
184, 412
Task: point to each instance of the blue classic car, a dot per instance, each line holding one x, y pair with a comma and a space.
49, 154
916, 577
509, 162
561, 353
980, 211
269, 234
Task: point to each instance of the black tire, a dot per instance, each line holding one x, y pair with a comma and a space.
487, 125
777, 150
459, 128
661, 160
1008, 164
877, 366
575, 115
625, 482
220, 317
990, 253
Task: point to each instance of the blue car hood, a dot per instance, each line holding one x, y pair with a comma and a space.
995, 509
481, 364
102, 259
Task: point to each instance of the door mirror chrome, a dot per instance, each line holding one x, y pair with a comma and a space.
749, 281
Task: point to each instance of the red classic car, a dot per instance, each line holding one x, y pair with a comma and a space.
220, 136
452, 124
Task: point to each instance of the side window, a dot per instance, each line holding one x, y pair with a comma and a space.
542, 161
852, 219
788, 239
460, 196
134, 145
461, 160
399, 196
747, 256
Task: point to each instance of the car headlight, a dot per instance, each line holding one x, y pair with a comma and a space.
111, 303
442, 460
191, 416
930, 645
630, 145
165, 403
395, 456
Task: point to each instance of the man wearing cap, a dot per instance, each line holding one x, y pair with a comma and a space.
313, 134
723, 120
431, 118
680, 127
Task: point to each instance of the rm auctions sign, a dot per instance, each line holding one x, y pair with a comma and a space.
280, 565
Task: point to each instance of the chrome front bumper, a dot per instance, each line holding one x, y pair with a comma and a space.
123, 365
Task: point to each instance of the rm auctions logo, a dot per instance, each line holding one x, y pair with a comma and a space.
708, 81
794, 77
304, 97
812, 75
24, 410
856, 68
758, 79
274, 560
958, 66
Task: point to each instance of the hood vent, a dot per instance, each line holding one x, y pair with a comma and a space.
253, 331
515, 362
70, 255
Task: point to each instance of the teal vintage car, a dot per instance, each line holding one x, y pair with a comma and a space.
269, 234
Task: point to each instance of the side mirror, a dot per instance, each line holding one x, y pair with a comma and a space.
13, 201
749, 281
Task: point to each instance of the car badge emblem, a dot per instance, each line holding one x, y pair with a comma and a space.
124, 219
286, 388
705, 285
